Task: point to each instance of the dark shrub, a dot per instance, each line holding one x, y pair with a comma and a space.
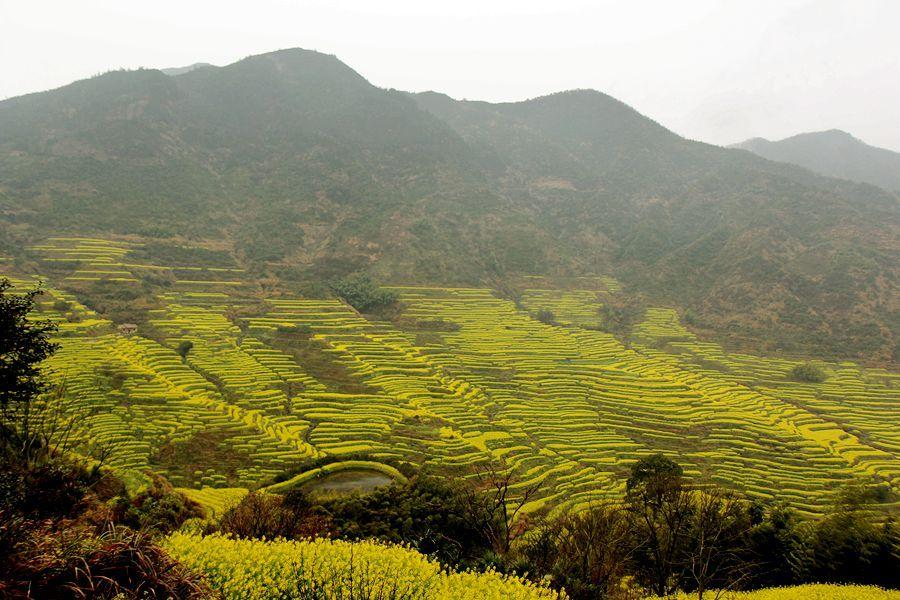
430, 514
586, 552
158, 509
271, 516
546, 316
850, 546
363, 294
122, 563
808, 373
774, 548
184, 348
49, 490
296, 328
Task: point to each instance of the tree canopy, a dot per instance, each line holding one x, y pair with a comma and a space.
24, 344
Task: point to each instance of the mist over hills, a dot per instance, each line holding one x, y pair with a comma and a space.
305, 171
834, 153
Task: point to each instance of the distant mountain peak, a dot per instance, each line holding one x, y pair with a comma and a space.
832, 152
297, 57
829, 135
837, 132
587, 95
299, 66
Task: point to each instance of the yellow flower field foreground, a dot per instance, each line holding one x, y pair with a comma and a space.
806, 592
253, 569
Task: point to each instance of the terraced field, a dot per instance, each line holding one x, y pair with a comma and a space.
93, 260
463, 378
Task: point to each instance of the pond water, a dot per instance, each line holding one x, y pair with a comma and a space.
349, 481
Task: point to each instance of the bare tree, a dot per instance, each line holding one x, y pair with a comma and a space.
45, 428
589, 551
494, 506
684, 536
42, 427
717, 554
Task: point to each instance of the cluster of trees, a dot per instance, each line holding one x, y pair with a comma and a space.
619, 314
122, 304
363, 294
666, 535
808, 373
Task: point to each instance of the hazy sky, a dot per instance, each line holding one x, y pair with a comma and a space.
714, 70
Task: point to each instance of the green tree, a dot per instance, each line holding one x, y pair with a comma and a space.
184, 348
660, 509
654, 476
808, 373
433, 515
363, 294
546, 316
850, 546
775, 547
24, 344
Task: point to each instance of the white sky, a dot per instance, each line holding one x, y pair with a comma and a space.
715, 70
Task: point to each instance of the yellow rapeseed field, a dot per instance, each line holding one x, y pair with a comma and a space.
253, 569
806, 592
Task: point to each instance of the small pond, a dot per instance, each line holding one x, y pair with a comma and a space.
349, 481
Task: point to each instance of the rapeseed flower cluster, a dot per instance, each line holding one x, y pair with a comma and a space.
334, 569
805, 592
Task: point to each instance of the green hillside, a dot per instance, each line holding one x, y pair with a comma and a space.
296, 168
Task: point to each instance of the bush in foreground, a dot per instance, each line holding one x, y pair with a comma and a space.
69, 560
426, 513
157, 509
269, 516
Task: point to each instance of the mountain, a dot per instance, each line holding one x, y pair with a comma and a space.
834, 153
755, 248
304, 171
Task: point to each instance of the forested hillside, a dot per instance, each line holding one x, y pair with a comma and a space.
296, 167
